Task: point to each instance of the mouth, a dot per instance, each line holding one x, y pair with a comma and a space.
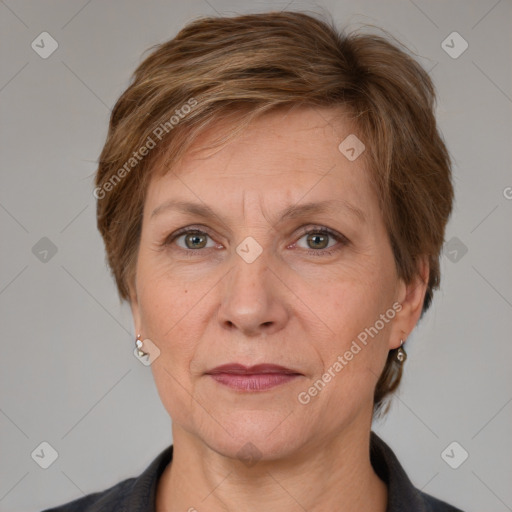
260, 377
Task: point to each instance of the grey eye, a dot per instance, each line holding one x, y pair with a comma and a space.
194, 240
318, 240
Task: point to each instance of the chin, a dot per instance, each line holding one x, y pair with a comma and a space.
254, 435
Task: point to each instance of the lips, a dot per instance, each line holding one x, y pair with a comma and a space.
260, 377
259, 369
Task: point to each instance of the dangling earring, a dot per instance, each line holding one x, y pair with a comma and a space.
138, 344
401, 356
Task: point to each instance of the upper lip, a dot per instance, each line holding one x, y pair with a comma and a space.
240, 369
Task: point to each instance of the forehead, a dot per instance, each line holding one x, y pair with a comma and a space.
282, 157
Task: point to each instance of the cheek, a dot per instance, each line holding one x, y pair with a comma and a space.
167, 316
165, 296
354, 299
174, 310
355, 352
351, 366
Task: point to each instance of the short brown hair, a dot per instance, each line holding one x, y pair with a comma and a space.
240, 67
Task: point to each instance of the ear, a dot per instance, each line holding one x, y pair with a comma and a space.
410, 296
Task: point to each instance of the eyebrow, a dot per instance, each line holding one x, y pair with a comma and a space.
291, 212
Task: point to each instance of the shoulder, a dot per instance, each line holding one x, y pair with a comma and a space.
136, 493
403, 496
436, 505
108, 500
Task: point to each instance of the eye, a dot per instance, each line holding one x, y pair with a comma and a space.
191, 239
318, 240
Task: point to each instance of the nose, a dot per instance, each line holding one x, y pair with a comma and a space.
253, 299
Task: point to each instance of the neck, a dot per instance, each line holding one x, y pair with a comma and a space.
335, 475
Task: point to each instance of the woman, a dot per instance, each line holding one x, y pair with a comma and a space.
273, 197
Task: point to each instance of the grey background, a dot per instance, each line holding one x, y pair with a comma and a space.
67, 372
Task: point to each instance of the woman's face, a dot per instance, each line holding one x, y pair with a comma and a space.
250, 287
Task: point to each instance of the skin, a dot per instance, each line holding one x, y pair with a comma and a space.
288, 307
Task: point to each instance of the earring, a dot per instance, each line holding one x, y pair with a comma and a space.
138, 344
401, 356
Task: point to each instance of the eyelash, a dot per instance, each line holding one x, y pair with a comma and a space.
316, 230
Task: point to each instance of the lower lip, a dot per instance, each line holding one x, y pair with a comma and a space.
253, 382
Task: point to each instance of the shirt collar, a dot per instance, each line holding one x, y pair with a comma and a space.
142, 495
402, 495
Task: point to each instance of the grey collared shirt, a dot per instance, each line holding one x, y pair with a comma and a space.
139, 494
